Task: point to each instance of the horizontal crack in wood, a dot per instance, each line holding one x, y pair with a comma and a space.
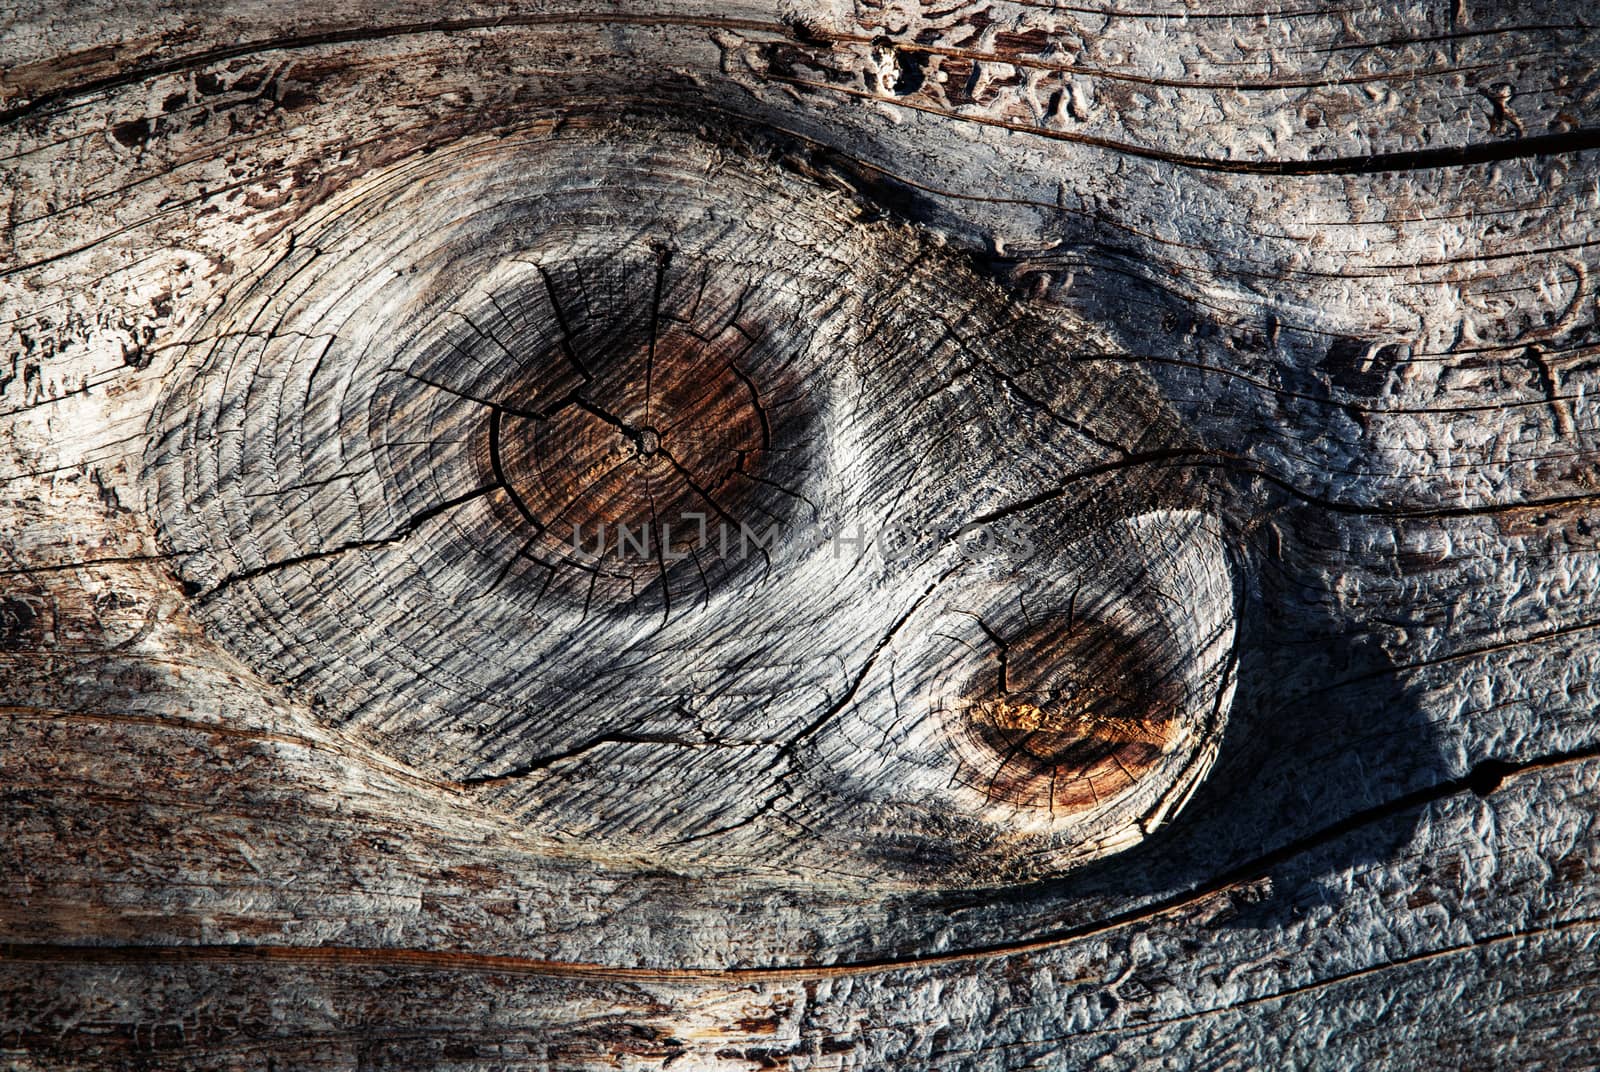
1484, 778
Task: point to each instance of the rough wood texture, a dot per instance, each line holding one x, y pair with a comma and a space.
1260, 343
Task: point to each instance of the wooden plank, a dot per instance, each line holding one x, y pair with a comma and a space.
1273, 330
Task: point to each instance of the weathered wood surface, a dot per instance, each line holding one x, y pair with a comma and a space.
1274, 331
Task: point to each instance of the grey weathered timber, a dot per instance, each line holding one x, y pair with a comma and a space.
1258, 343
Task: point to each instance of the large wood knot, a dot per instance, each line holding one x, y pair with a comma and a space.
634, 490
651, 434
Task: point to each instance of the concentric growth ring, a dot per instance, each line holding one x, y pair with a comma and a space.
521, 423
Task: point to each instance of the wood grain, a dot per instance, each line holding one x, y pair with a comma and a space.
1271, 332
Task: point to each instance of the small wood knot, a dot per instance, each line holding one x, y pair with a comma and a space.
1069, 713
